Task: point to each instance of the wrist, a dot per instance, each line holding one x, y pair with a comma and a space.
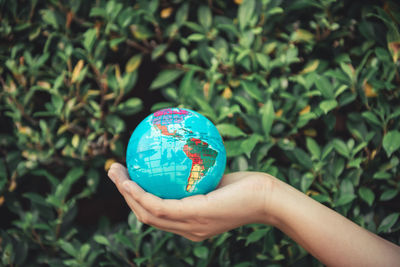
270, 195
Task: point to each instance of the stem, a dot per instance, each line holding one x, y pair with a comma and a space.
74, 18
37, 239
23, 113
103, 86
60, 214
138, 46
158, 32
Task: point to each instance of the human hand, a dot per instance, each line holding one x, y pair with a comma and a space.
252, 197
240, 198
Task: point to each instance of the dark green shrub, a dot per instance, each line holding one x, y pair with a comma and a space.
305, 90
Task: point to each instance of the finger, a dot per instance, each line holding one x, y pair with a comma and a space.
118, 174
172, 209
175, 226
143, 200
172, 228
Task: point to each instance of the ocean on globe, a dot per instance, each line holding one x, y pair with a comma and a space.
176, 153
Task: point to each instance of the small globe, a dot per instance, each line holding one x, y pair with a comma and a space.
175, 153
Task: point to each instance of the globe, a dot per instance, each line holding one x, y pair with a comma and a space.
176, 153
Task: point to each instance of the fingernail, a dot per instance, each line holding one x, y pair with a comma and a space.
111, 174
126, 186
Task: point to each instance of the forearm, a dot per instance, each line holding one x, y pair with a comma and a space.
330, 237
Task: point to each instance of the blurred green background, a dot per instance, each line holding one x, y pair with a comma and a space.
306, 90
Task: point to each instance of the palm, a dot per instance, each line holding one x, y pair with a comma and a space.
197, 217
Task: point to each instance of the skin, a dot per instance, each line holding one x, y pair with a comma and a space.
252, 197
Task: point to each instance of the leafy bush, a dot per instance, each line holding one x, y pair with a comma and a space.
307, 91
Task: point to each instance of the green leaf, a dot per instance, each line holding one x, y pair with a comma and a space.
394, 114
256, 235
165, 77
35, 198
382, 175
115, 124
328, 105
89, 39
64, 187
238, 147
130, 106
117, 41
158, 51
367, 195
252, 89
313, 147
324, 86
222, 238
183, 54
303, 158
124, 240
182, 14
348, 70
97, 12
341, 148
389, 194
244, 264
338, 166
171, 57
275, 10
391, 142
205, 108
302, 35
322, 198
341, 89
245, 12
355, 163
186, 85
69, 248
305, 118
194, 26
371, 118
344, 199
388, 222
248, 145
196, 37
230, 130
248, 104
267, 117
101, 240
306, 181
133, 63
85, 248
205, 17
262, 60
201, 252
346, 193
233, 148
51, 17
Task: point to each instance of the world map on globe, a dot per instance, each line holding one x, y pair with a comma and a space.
175, 153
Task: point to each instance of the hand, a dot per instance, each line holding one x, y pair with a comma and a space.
239, 199
252, 197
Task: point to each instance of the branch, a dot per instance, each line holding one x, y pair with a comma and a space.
138, 46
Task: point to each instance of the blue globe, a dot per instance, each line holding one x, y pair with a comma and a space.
175, 153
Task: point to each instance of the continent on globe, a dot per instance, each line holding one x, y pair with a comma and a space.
165, 117
203, 158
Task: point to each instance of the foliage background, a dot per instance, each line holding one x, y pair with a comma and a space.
305, 90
